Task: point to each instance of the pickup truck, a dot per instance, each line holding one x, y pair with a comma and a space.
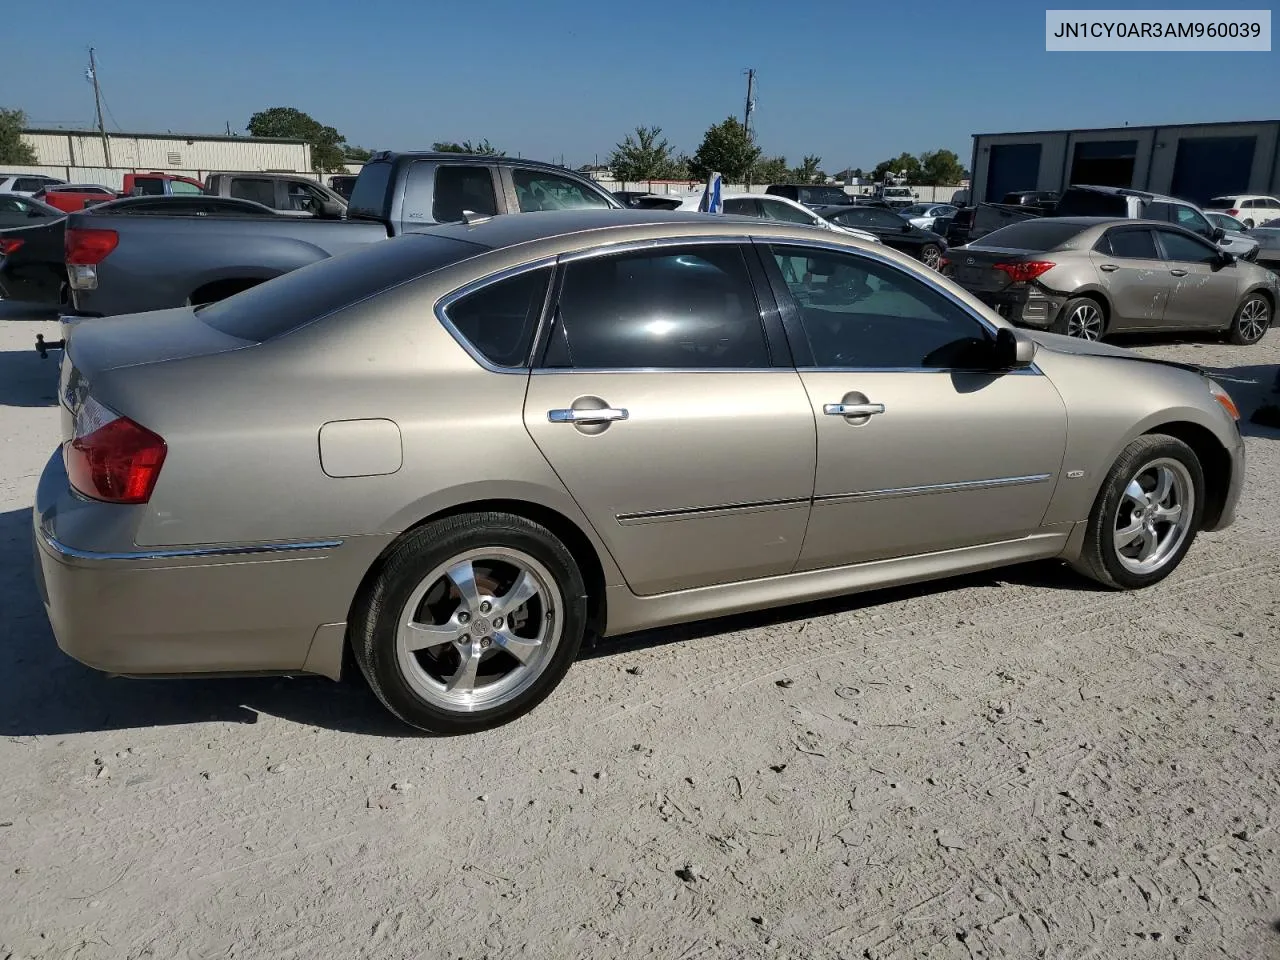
156, 184
133, 264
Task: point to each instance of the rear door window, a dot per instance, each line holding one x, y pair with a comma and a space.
1129, 244
777, 210
252, 188
30, 184
460, 190
148, 187
499, 321
742, 207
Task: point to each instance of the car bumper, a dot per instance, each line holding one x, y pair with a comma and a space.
1234, 488
231, 609
1028, 307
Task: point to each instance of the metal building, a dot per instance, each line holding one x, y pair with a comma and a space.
1193, 161
81, 157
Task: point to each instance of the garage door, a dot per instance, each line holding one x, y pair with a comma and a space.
1013, 166
1208, 167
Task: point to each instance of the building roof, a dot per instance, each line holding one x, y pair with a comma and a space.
1147, 126
162, 136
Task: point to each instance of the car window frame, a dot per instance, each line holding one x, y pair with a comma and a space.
1127, 228
588, 189
435, 169
793, 325
777, 201
1211, 248
776, 340
533, 352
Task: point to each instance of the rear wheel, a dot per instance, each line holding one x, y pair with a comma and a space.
472, 622
930, 254
1081, 317
1248, 222
1252, 320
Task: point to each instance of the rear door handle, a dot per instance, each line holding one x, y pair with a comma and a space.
1178, 273
605, 415
1109, 267
852, 409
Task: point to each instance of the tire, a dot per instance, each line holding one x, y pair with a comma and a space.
1252, 320
1113, 554
1082, 318
411, 668
930, 254
1248, 223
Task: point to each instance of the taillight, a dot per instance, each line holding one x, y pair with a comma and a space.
8, 246
1232, 213
1025, 271
84, 248
111, 457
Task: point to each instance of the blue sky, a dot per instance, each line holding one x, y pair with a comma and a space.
569, 77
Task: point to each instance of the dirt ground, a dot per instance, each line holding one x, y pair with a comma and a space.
1012, 765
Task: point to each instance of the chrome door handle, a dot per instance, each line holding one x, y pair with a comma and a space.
605, 415
1108, 267
1178, 273
852, 409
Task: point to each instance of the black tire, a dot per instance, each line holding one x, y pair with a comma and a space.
1087, 307
1247, 328
374, 622
929, 255
1098, 557
1248, 222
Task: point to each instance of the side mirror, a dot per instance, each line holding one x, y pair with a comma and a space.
1217, 234
331, 210
1226, 258
906, 227
1013, 350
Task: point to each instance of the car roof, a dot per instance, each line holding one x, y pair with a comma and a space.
391, 155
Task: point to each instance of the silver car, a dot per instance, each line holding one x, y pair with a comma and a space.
456, 454
1089, 277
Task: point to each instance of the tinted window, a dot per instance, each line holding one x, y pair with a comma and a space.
303, 197
777, 210
259, 191
499, 321
823, 195
546, 191
1046, 234
369, 195
1131, 244
673, 308
462, 189
857, 312
1226, 203
148, 187
743, 207
294, 299
11, 204
1087, 203
30, 184
1178, 246
1158, 211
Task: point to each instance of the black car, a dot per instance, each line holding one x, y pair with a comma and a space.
19, 211
925, 246
31, 261
812, 195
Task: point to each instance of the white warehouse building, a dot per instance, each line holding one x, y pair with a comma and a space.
80, 156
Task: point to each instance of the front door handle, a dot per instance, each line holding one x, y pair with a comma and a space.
571, 415
852, 409
1109, 267
1178, 273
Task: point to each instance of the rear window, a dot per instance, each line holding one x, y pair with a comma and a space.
369, 195
1031, 235
281, 305
823, 195
1225, 202
1086, 203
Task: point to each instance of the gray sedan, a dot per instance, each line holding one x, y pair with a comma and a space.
457, 454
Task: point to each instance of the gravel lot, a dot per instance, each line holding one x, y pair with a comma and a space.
1009, 765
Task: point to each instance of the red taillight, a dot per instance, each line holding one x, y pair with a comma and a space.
1232, 213
8, 246
87, 247
1025, 271
118, 462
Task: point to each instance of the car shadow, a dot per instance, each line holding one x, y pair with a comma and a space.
26, 380
27, 310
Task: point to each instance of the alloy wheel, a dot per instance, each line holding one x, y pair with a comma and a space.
1154, 516
1255, 318
479, 629
1085, 322
930, 256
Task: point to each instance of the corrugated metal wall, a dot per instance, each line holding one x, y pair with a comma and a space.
169, 154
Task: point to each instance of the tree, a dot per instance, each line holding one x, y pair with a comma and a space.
643, 156
292, 123
727, 149
13, 149
808, 171
772, 170
482, 149
355, 154
905, 165
941, 166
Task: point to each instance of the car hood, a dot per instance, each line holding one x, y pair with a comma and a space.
1093, 348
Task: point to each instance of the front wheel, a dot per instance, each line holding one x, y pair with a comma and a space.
1146, 515
1252, 320
472, 622
930, 254
1081, 317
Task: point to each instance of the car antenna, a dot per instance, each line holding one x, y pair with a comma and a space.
470, 217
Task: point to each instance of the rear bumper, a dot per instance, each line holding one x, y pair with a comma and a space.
1028, 307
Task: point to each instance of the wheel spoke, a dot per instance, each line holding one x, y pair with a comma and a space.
1149, 543
1135, 493
519, 647
522, 591
421, 636
1164, 486
1126, 535
1169, 514
463, 577
464, 679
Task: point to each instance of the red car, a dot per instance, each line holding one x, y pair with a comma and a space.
75, 196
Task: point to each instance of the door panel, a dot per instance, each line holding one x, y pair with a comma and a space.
1135, 278
706, 481
1202, 295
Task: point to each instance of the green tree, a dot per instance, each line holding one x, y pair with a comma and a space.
808, 171
292, 123
726, 148
643, 156
904, 165
941, 167
355, 154
772, 170
482, 149
13, 149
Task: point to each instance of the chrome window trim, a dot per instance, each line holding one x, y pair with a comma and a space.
442, 306
166, 553
894, 493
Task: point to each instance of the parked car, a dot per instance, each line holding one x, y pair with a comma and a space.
31, 267
200, 260
342, 183
1250, 209
289, 194
892, 230
925, 215
26, 184
1268, 237
1045, 201
810, 194
896, 196
769, 207
968, 224
682, 452
156, 184
1226, 222
1089, 277
17, 210
71, 197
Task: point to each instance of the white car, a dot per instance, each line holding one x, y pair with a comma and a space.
1249, 209
924, 215
768, 207
897, 196
26, 184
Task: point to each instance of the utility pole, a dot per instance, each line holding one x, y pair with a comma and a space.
97, 99
228, 128
751, 101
